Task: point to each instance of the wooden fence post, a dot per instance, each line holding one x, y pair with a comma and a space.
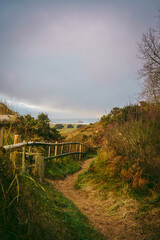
55, 152
13, 156
16, 139
49, 151
62, 149
1, 136
80, 150
77, 149
29, 150
39, 166
23, 157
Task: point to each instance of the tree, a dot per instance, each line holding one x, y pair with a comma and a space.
28, 128
44, 130
149, 53
25, 126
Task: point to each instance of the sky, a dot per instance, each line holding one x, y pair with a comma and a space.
71, 58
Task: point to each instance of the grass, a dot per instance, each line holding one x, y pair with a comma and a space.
43, 213
62, 167
91, 135
99, 175
30, 209
121, 198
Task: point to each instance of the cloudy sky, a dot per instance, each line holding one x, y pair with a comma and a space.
71, 58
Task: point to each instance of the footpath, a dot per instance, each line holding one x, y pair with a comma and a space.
114, 217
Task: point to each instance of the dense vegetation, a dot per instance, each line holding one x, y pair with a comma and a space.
29, 127
127, 163
79, 126
70, 126
29, 208
59, 126
34, 210
60, 168
131, 157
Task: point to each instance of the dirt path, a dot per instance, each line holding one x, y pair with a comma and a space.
113, 217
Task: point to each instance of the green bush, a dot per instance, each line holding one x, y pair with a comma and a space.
70, 126
80, 125
59, 126
61, 168
29, 127
137, 141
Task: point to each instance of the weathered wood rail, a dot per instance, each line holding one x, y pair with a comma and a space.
55, 150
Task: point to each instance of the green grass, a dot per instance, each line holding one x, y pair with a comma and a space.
30, 209
42, 213
99, 175
61, 167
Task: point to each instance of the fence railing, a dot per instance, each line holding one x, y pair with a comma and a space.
55, 150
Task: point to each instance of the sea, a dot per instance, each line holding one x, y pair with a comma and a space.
75, 121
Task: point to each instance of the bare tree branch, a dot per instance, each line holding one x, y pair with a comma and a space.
149, 53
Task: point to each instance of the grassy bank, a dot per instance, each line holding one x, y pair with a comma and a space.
128, 166
62, 167
34, 210
131, 156
139, 207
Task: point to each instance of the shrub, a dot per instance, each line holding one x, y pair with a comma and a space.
34, 210
70, 126
136, 141
29, 127
59, 126
84, 137
79, 126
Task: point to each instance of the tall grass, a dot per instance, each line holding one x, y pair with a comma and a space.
30, 209
131, 158
137, 141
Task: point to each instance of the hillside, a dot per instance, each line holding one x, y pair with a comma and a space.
118, 189
92, 135
125, 175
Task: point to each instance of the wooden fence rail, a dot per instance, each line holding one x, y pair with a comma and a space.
14, 147
39, 160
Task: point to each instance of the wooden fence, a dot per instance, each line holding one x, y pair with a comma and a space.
55, 150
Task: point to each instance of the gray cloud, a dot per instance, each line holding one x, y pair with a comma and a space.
76, 57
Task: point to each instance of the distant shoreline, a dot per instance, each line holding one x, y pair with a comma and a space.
75, 121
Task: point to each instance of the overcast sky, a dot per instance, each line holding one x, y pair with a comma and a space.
71, 58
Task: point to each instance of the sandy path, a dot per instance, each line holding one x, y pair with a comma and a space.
119, 225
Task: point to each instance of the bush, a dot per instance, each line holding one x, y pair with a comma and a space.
34, 210
59, 126
61, 168
85, 137
79, 126
29, 127
136, 141
121, 115
70, 126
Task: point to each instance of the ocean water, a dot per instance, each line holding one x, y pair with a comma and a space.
80, 121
